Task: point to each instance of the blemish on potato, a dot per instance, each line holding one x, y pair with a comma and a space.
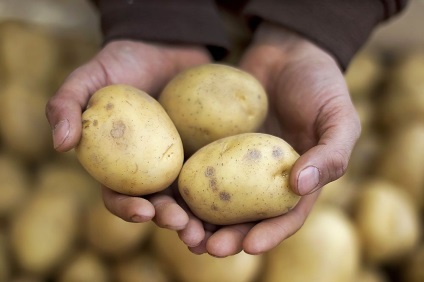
109, 106
213, 184
118, 129
167, 151
253, 154
224, 196
86, 123
136, 169
186, 191
214, 207
277, 152
95, 122
210, 171
225, 148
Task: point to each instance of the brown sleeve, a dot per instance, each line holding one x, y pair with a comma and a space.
182, 21
339, 26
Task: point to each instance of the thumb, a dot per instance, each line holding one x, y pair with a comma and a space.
63, 110
326, 161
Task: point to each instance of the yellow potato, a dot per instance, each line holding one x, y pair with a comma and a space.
188, 267
404, 100
15, 185
23, 126
240, 178
74, 181
28, 52
340, 193
364, 74
325, 249
44, 232
85, 266
212, 101
111, 235
128, 142
141, 267
387, 221
401, 160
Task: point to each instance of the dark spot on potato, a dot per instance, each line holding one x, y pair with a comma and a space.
95, 122
210, 171
86, 123
109, 106
136, 169
213, 184
186, 191
118, 129
253, 154
277, 152
168, 151
225, 196
214, 207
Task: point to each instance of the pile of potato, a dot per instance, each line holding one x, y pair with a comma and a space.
366, 226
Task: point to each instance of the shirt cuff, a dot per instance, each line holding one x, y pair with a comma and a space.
339, 27
170, 21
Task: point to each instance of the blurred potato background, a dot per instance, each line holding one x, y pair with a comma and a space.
366, 226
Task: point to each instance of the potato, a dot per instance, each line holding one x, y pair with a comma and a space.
23, 125
363, 75
14, 185
71, 180
402, 160
212, 101
112, 236
141, 267
28, 52
325, 249
84, 266
404, 101
340, 193
128, 142
240, 178
189, 267
386, 220
365, 155
44, 232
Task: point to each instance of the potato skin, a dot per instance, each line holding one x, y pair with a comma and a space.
241, 178
212, 101
128, 142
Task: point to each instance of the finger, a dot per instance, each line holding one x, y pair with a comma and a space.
131, 209
63, 110
228, 240
194, 233
201, 248
169, 214
270, 232
328, 160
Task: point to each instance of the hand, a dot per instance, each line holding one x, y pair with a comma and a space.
312, 110
145, 66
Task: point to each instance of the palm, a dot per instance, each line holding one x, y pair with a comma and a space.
310, 108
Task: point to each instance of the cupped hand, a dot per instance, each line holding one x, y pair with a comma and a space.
146, 66
310, 107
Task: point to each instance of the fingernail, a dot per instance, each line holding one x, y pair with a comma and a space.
60, 133
136, 218
308, 180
